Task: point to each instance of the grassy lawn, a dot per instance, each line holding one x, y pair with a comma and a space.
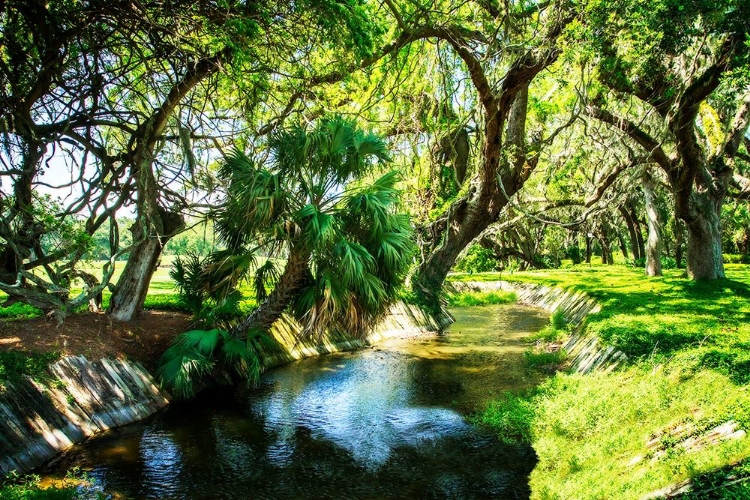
689, 343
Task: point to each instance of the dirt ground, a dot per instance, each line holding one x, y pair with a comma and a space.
95, 335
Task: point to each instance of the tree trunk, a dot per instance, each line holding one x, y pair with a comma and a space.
679, 238
155, 224
588, 249
131, 289
632, 231
623, 246
606, 243
281, 297
606, 250
498, 177
469, 216
744, 244
704, 259
464, 224
638, 232
654, 243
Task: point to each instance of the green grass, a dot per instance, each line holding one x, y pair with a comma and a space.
466, 299
75, 485
729, 483
511, 416
17, 364
18, 310
544, 360
689, 346
549, 334
665, 316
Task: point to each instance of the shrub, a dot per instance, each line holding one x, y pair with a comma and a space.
166, 302
668, 263
17, 487
557, 320
735, 258
478, 260
16, 364
20, 310
548, 261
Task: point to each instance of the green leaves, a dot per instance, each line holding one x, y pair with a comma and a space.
255, 200
309, 197
265, 275
354, 261
204, 341
393, 247
198, 355
317, 227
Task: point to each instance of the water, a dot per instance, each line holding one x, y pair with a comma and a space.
386, 422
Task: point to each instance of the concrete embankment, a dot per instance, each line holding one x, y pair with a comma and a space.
586, 352
402, 320
39, 420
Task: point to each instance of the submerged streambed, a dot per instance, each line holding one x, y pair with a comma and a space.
385, 422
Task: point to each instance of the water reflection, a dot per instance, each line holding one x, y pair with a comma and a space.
381, 423
362, 405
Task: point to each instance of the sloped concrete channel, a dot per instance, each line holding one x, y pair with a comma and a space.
39, 421
386, 422
586, 352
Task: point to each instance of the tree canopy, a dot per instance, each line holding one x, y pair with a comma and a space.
526, 132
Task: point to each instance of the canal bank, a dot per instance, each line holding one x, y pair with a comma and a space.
81, 398
384, 422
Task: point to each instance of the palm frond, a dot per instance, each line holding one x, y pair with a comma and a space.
317, 226
371, 147
186, 273
225, 269
242, 358
180, 369
202, 341
255, 198
265, 276
354, 260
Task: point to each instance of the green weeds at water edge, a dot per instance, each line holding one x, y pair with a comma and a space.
75, 486
466, 299
549, 361
511, 417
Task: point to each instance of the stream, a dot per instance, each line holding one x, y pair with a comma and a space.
385, 422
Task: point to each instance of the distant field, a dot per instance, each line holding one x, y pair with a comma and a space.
162, 292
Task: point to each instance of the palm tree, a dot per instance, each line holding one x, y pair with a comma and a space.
347, 249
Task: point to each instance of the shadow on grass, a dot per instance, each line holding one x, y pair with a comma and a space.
707, 290
728, 483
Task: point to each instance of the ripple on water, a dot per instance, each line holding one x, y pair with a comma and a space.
374, 424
